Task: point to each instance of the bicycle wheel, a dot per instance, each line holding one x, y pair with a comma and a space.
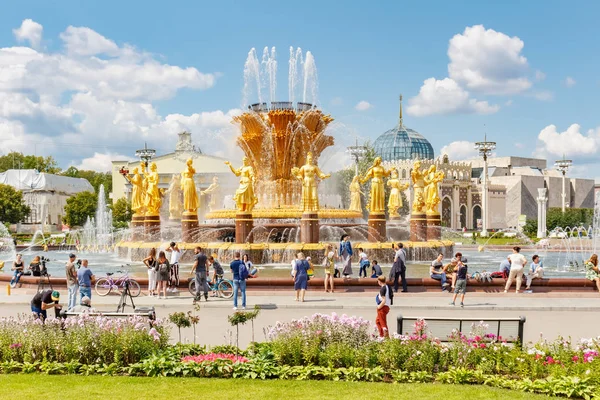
226, 289
103, 287
134, 288
192, 287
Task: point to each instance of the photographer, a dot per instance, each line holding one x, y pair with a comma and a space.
85, 278
43, 301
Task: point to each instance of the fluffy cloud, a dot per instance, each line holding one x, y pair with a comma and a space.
83, 41
460, 150
487, 61
570, 82
539, 75
543, 95
444, 97
570, 142
100, 162
29, 31
363, 106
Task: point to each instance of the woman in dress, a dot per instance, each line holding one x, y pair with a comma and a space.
355, 192
137, 191
395, 200
244, 196
345, 255
301, 277
329, 264
249, 266
190, 196
163, 270
150, 263
591, 270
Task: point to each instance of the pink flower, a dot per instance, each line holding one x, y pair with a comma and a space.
212, 357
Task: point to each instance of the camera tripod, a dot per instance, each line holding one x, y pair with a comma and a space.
42, 283
123, 301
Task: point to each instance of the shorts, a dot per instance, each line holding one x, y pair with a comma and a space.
461, 286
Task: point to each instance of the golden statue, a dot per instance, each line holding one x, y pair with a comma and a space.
355, 192
137, 192
244, 195
432, 179
395, 200
416, 175
308, 174
153, 193
175, 198
190, 197
377, 197
214, 190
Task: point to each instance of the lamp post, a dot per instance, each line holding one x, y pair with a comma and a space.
145, 154
485, 148
563, 166
357, 152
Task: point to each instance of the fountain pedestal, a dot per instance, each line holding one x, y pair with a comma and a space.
243, 226
152, 227
137, 228
434, 227
309, 227
189, 226
418, 227
377, 228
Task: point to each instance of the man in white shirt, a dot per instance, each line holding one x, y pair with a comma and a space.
174, 274
517, 263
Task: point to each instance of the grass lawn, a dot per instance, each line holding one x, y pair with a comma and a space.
36, 386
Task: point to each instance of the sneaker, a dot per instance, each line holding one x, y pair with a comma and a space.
243, 308
234, 308
452, 303
169, 290
175, 290
506, 291
461, 304
446, 284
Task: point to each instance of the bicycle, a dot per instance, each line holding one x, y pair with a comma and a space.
223, 287
105, 285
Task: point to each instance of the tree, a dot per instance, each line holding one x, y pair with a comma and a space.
94, 178
79, 208
12, 207
121, 213
16, 160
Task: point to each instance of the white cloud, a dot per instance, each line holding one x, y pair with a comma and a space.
363, 106
100, 162
445, 97
488, 61
570, 82
539, 75
543, 95
460, 150
29, 31
570, 142
84, 41
337, 101
508, 103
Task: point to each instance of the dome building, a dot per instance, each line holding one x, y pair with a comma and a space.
402, 143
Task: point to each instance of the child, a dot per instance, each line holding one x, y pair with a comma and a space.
311, 269
364, 262
376, 271
461, 283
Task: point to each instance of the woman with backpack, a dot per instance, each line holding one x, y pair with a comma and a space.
150, 263
301, 277
163, 271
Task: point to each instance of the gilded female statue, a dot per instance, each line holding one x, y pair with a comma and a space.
308, 174
432, 179
395, 200
175, 203
355, 192
190, 197
214, 190
377, 197
153, 193
244, 195
137, 192
418, 188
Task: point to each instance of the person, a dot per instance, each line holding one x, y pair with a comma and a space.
311, 268
345, 255
364, 262
505, 268
17, 269
201, 269
174, 267
43, 301
301, 277
239, 284
398, 269
72, 282
85, 306
329, 264
517, 263
376, 271
450, 268
84, 279
591, 270
461, 282
249, 266
436, 271
293, 264
217, 274
150, 263
35, 266
383, 307
163, 274
536, 270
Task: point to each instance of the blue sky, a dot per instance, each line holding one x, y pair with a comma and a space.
367, 52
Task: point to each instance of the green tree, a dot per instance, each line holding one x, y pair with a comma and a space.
572, 217
16, 160
121, 213
12, 207
94, 178
79, 207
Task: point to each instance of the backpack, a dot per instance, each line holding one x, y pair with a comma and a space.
243, 272
163, 268
391, 294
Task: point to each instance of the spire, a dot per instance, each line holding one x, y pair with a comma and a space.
401, 124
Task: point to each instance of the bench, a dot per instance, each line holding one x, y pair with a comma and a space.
511, 329
147, 312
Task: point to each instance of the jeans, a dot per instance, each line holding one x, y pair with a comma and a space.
16, 276
85, 291
363, 269
39, 313
439, 277
241, 285
72, 296
202, 285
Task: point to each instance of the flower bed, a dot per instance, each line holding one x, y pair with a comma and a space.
211, 357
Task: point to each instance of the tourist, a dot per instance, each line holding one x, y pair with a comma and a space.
329, 264
436, 271
384, 301
505, 268
345, 255
163, 274
249, 266
150, 263
311, 268
43, 301
201, 269
376, 271
364, 262
85, 306
301, 277
174, 267
35, 266
239, 281
398, 269
461, 282
72, 282
84, 279
591, 270
450, 268
293, 264
517, 263
536, 270
17, 269
216, 276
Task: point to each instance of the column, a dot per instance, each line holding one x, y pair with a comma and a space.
484, 199
309, 227
542, 200
243, 227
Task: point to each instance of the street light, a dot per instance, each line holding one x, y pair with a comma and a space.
485, 148
145, 154
357, 152
563, 166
